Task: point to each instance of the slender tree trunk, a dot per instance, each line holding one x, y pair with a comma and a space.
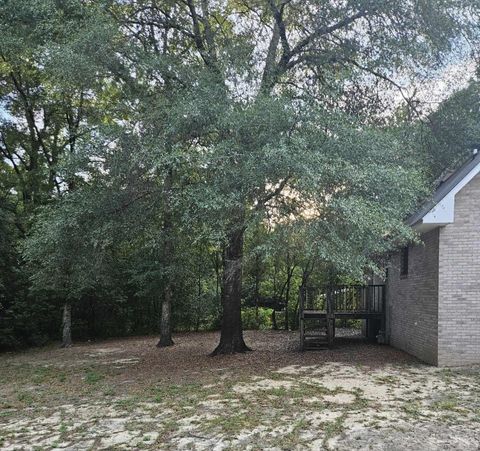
290, 271
199, 300
92, 318
67, 325
231, 337
287, 299
274, 320
257, 287
168, 250
277, 298
165, 322
294, 325
218, 288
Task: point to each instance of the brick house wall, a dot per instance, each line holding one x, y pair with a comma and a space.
412, 301
459, 282
434, 312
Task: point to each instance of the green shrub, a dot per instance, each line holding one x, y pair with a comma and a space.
250, 320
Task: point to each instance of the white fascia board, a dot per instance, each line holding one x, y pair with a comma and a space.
444, 212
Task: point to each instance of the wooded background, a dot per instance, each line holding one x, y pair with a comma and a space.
174, 165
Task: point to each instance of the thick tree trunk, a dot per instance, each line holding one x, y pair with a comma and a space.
231, 337
67, 325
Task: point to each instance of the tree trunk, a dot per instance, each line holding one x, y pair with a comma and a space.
294, 325
67, 325
257, 288
231, 337
274, 320
277, 298
91, 318
287, 300
168, 250
199, 300
165, 321
290, 271
218, 288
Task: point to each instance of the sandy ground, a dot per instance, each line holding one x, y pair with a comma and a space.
127, 394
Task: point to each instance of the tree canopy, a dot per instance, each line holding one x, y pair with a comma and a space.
150, 147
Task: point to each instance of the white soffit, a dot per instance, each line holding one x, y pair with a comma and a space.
444, 211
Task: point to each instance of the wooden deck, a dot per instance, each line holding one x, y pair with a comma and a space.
321, 307
342, 314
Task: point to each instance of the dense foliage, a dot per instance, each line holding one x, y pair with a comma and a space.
188, 165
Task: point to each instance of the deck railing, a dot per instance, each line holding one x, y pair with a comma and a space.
344, 298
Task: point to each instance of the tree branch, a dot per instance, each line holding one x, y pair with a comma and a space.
278, 16
321, 31
273, 193
377, 74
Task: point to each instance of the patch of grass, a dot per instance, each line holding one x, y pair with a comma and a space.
180, 398
277, 391
34, 374
476, 416
127, 404
447, 375
93, 377
292, 439
41, 375
61, 376
170, 392
168, 427
234, 423
360, 403
4, 413
333, 428
447, 404
109, 391
412, 409
450, 403
25, 398
310, 390
386, 379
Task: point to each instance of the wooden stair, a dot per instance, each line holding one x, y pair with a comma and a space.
315, 333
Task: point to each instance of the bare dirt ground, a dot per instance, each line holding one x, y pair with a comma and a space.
127, 394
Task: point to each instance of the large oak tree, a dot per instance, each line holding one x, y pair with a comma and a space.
265, 80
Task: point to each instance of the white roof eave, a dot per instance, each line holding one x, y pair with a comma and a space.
443, 212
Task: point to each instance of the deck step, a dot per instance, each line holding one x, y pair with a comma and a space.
310, 344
